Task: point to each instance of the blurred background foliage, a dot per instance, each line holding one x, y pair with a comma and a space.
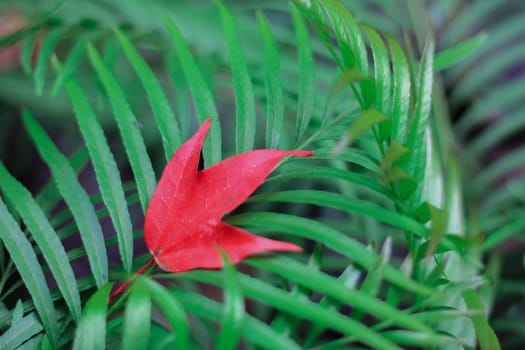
435, 202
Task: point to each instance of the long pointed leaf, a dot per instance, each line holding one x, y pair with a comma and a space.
171, 308
30, 270
26, 56
274, 88
332, 238
417, 140
72, 61
257, 289
245, 115
382, 74
131, 137
453, 55
137, 322
91, 331
253, 330
233, 308
106, 171
484, 332
75, 197
46, 238
20, 332
202, 95
345, 27
354, 205
401, 92
47, 49
49, 196
307, 88
166, 121
320, 282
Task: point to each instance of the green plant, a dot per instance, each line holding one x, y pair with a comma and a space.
391, 224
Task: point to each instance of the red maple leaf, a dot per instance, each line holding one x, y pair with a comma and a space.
183, 226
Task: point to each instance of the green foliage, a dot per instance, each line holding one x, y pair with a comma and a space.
316, 75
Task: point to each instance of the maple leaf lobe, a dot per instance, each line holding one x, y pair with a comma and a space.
183, 224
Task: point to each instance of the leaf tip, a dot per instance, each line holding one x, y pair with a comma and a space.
303, 154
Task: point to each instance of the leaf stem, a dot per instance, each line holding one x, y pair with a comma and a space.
124, 285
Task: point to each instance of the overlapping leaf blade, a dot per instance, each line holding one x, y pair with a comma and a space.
93, 322
131, 137
75, 197
274, 90
46, 238
202, 96
245, 115
164, 116
106, 171
25, 259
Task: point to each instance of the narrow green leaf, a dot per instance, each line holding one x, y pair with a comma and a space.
20, 331
416, 139
393, 154
76, 198
49, 196
418, 340
401, 91
325, 284
233, 317
345, 79
332, 238
455, 54
372, 283
253, 330
166, 121
30, 270
26, 56
438, 226
182, 101
18, 311
485, 334
75, 56
245, 115
106, 171
396, 174
46, 51
364, 122
137, 321
130, 133
331, 173
274, 87
346, 28
171, 308
12, 38
282, 300
382, 70
342, 202
349, 278
111, 53
307, 82
348, 35
350, 155
202, 96
91, 331
45, 237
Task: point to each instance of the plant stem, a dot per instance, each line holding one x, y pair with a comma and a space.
124, 285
